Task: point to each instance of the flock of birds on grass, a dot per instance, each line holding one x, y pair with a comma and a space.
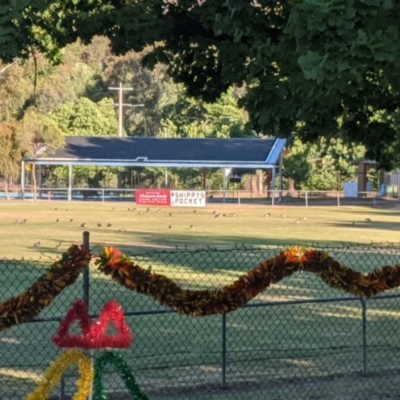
216, 214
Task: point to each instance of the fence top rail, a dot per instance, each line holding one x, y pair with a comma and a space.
28, 188
255, 304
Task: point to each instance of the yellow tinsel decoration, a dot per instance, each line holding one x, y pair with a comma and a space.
55, 371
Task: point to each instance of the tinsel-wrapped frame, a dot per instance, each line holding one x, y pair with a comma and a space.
55, 371
124, 371
94, 333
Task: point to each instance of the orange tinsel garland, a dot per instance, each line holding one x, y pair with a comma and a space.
197, 302
228, 298
29, 304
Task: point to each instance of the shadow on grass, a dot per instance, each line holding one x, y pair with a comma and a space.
16, 276
173, 240
374, 225
234, 254
373, 211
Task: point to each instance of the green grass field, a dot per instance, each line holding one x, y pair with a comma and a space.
138, 229
299, 351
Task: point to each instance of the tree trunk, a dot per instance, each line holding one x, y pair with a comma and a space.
292, 187
267, 182
6, 189
260, 179
254, 184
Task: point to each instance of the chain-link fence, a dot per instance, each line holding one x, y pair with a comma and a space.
299, 339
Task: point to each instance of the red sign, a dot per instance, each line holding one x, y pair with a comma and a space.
153, 197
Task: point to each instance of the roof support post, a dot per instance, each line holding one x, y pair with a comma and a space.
225, 173
273, 184
40, 180
23, 180
273, 178
70, 182
280, 177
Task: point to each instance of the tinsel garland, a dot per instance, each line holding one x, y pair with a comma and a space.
29, 304
55, 371
124, 371
231, 297
94, 333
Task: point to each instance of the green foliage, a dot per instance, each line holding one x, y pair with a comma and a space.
190, 117
83, 176
41, 130
14, 146
15, 90
150, 91
323, 72
85, 118
57, 88
82, 78
325, 165
317, 68
296, 164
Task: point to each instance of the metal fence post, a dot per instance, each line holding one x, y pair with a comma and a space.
85, 288
223, 366
62, 388
85, 297
364, 333
306, 196
85, 284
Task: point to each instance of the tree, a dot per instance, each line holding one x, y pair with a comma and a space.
41, 131
15, 89
336, 162
53, 91
152, 89
316, 68
325, 165
296, 166
190, 117
13, 147
86, 118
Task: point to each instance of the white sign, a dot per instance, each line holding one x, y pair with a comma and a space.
188, 198
350, 189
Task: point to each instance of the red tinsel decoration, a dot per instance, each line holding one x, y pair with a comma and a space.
94, 334
112, 312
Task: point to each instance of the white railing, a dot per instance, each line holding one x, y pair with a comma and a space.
298, 197
271, 197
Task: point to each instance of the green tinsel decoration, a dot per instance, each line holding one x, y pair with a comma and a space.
124, 371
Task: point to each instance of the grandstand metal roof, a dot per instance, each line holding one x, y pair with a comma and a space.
165, 152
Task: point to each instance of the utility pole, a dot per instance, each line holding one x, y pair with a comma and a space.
121, 106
